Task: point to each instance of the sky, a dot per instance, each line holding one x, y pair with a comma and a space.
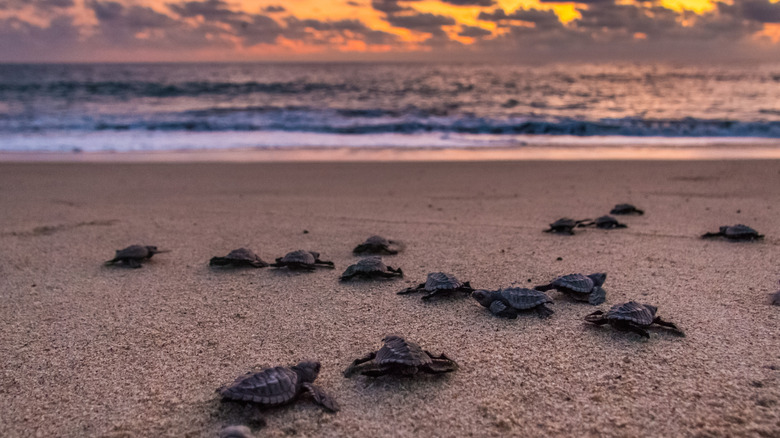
524, 31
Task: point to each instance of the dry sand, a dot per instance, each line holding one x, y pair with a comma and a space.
88, 350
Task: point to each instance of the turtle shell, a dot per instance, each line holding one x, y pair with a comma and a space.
368, 264
606, 221
271, 387
564, 223
300, 256
522, 299
377, 241
739, 231
441, 281
398, 350
641, 314
577, 283
242, 254
625, 209
135, 252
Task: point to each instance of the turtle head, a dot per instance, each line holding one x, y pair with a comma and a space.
484, 297
598, 279
153, 250
307, 370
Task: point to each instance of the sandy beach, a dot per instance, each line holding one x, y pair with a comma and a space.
89, 350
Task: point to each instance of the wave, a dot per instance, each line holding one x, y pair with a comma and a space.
379, 122
157, 89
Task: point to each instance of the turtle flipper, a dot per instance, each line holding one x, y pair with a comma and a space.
410, 290
395, 272
219, 261
544, 287
133, 263
441, 364
543, 311
324, 264
500, 309
667, 324
597, 318
430, 294
347, 277
636, 329
466, 287
321, 397
356, 364
111, 262
390, 273
597, 296
708, 235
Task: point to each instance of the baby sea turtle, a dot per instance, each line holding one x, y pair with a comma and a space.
279, 385
564, 225
400, 357
302, 260
378, 245
439, 283
630, 316
507, 302
626, 209
370, 267
580, 287
605, 223
133, 255
240, 257
736, 232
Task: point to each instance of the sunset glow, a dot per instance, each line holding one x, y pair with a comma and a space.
93, 30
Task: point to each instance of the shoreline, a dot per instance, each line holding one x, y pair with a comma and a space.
411, 154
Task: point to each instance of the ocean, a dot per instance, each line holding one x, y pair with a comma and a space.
161, 107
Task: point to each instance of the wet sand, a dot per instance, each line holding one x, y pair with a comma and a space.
88, 350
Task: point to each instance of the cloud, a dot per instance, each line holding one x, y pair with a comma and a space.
208, 9
474, 32
390, 6
424, 22
605, 29
484, 3
760, 10
540, 19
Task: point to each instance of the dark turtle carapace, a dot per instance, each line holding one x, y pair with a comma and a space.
509, 302
626, 209
133, 255
400, 357
279, 385
378, 245
302, 260
631, 316
735, 232
604, 222
439, 283
580, 287
370, 267
238, 258
565, 225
